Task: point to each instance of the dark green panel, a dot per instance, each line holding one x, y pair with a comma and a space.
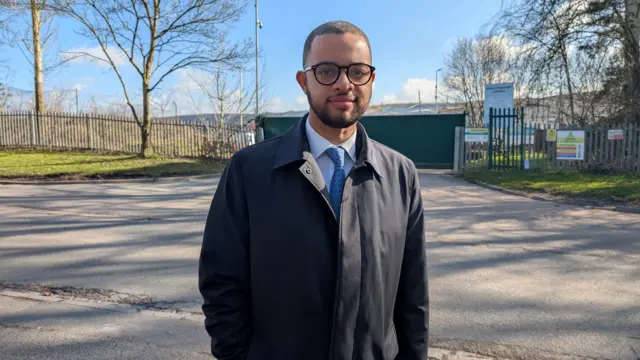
276, 126
428, 140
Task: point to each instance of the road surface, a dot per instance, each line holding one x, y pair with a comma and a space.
509, 276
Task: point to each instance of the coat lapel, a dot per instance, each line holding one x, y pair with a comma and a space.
294, 148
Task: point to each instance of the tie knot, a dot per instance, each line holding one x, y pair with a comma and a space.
336, 154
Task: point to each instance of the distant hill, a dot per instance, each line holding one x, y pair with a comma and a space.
389, 109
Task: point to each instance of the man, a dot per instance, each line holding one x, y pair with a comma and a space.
314, 244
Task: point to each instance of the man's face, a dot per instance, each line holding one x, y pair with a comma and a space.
341, 104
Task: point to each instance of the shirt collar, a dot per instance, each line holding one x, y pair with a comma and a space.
318, 144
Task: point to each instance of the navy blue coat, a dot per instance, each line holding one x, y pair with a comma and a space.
282, 279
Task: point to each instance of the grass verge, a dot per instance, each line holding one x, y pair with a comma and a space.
623, 188
32, 164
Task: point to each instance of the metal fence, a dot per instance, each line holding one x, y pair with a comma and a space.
511, 142
171, 137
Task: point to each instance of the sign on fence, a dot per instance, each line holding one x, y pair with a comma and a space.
476, 135
497, 96
570, 145
551, 135
616, 134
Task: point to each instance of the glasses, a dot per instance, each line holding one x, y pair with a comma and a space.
328, 73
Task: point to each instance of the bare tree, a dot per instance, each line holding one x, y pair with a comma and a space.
548, 28
5, 94
33, 31
161, 103
222, 98
157, 39
616, 24
470, 65
225, 92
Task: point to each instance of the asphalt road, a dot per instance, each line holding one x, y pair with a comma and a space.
509, 276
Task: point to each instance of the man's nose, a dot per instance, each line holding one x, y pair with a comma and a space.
343, 82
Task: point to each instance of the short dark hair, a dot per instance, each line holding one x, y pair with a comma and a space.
332, 27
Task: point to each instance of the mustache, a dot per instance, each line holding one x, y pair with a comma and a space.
344, 96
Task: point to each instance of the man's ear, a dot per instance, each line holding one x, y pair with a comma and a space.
301, 78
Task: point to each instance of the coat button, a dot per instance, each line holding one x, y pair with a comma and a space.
308, 170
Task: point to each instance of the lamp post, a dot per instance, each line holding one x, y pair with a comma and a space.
259, 25
437, 89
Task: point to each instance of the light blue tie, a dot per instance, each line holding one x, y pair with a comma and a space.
336, 154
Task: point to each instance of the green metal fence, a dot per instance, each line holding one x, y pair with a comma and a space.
507, 138
428, 140
515, 143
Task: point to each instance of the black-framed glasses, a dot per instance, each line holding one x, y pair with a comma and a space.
327, 73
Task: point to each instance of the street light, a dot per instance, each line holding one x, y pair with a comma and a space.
437, 89
259, 25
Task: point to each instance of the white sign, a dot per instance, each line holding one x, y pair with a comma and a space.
616, 134
476, 135
497, 96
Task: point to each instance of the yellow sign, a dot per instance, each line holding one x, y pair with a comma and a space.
551, 135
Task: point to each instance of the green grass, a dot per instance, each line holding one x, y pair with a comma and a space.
42, 164
618, 188
512, 160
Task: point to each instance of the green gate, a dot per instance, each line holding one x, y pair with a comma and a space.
507, 139
428, 140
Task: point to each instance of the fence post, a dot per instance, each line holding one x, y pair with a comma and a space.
32, 124
490, 150
458, 149
89, 131
259, 134
522, 137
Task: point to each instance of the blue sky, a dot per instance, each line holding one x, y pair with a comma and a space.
409, 39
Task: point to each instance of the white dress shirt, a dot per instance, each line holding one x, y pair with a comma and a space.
318, 145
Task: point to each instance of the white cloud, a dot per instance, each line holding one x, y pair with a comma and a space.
426, 89
275, 105
390, 99
82, 83
186, 79
302, 100
95, 55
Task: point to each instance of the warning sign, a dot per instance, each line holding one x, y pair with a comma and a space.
551, 135
570, 145
615, 134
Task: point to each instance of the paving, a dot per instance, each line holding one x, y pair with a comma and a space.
510, 277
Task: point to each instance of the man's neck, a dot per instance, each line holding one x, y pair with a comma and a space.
335, 136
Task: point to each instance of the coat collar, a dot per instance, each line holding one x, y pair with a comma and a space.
294, 146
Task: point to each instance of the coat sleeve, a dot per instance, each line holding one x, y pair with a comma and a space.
411, 314
224, 268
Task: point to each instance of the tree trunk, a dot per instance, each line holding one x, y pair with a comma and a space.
146, 149
37, 56
567, 72
147, 146
633, 60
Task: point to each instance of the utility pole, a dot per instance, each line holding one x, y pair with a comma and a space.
259, 25
419, 102
241, 107
77, 107
437, 89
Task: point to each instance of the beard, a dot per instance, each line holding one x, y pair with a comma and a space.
341, 121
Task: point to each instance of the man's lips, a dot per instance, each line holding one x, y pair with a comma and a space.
342, 102
341, 99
